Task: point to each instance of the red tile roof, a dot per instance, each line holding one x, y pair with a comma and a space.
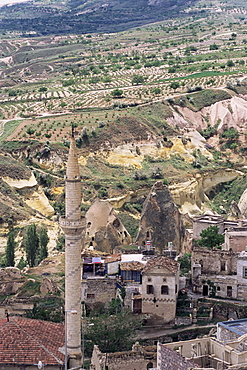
162, 261
27, 341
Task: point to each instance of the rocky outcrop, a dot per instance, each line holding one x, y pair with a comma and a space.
48, 286
191, 195
161, 221
242, 204
11, 280
33, 194
104, 230
226, 113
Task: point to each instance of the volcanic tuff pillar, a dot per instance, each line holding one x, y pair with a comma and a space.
73, 226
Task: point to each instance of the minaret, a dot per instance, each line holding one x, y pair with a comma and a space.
73, 226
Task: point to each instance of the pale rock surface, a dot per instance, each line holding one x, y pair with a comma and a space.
21, 183
38, 201
242, 204
191, 195
226, 113
104, 230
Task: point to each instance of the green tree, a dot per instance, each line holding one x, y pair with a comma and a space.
32, 245
117, 93
10, 249
174, 85
44, 239
112, 333
137, 79
211, 238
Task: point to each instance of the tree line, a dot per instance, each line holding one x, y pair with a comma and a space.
35, 245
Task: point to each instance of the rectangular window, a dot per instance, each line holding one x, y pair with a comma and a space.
90, 296
150, 289
245, 272
164, 289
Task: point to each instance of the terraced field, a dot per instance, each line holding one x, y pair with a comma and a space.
54, 76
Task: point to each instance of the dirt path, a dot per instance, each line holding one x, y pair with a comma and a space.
152, 333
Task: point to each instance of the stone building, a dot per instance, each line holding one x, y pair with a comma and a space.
139, 358
228, 350
160, 284
219, 272
104, 229
98, 291
161, 221
168, 359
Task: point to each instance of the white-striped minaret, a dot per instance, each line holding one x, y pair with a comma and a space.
73, 226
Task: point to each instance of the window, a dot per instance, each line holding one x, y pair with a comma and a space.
218, 288
150, 289
164, 279
245, 272
223, 266
90, 295
164, 289
149, 279
229, 291
176, 288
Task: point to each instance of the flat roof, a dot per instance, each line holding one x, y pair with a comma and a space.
236, 326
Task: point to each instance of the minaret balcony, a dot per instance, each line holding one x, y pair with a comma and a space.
72, 226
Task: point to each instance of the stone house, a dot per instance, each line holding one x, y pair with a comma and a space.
202, 222
236, 239
227, 349
221, 272
25, 342
98, 291
139, 358
168, 359
160, 282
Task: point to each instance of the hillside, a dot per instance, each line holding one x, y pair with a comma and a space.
77, 16
162, 101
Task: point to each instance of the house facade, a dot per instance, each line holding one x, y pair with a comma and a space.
160, 284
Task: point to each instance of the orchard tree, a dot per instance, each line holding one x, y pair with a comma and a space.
211, 238
10, 249
32, 245
117, 93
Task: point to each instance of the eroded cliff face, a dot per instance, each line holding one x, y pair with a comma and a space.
191, 195
104, 230
161, 221
227, 113
33, 195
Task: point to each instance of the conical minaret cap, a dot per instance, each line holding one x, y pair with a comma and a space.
72, 171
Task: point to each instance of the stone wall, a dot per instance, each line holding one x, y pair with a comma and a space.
140, 358
97, 290
156, 302
215, 261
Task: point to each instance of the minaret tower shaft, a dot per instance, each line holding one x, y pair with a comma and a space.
73, 226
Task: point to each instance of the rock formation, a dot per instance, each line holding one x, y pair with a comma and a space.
161, 221
11, 280
242, 204
104, 229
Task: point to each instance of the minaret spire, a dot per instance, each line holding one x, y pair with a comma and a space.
73, 226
